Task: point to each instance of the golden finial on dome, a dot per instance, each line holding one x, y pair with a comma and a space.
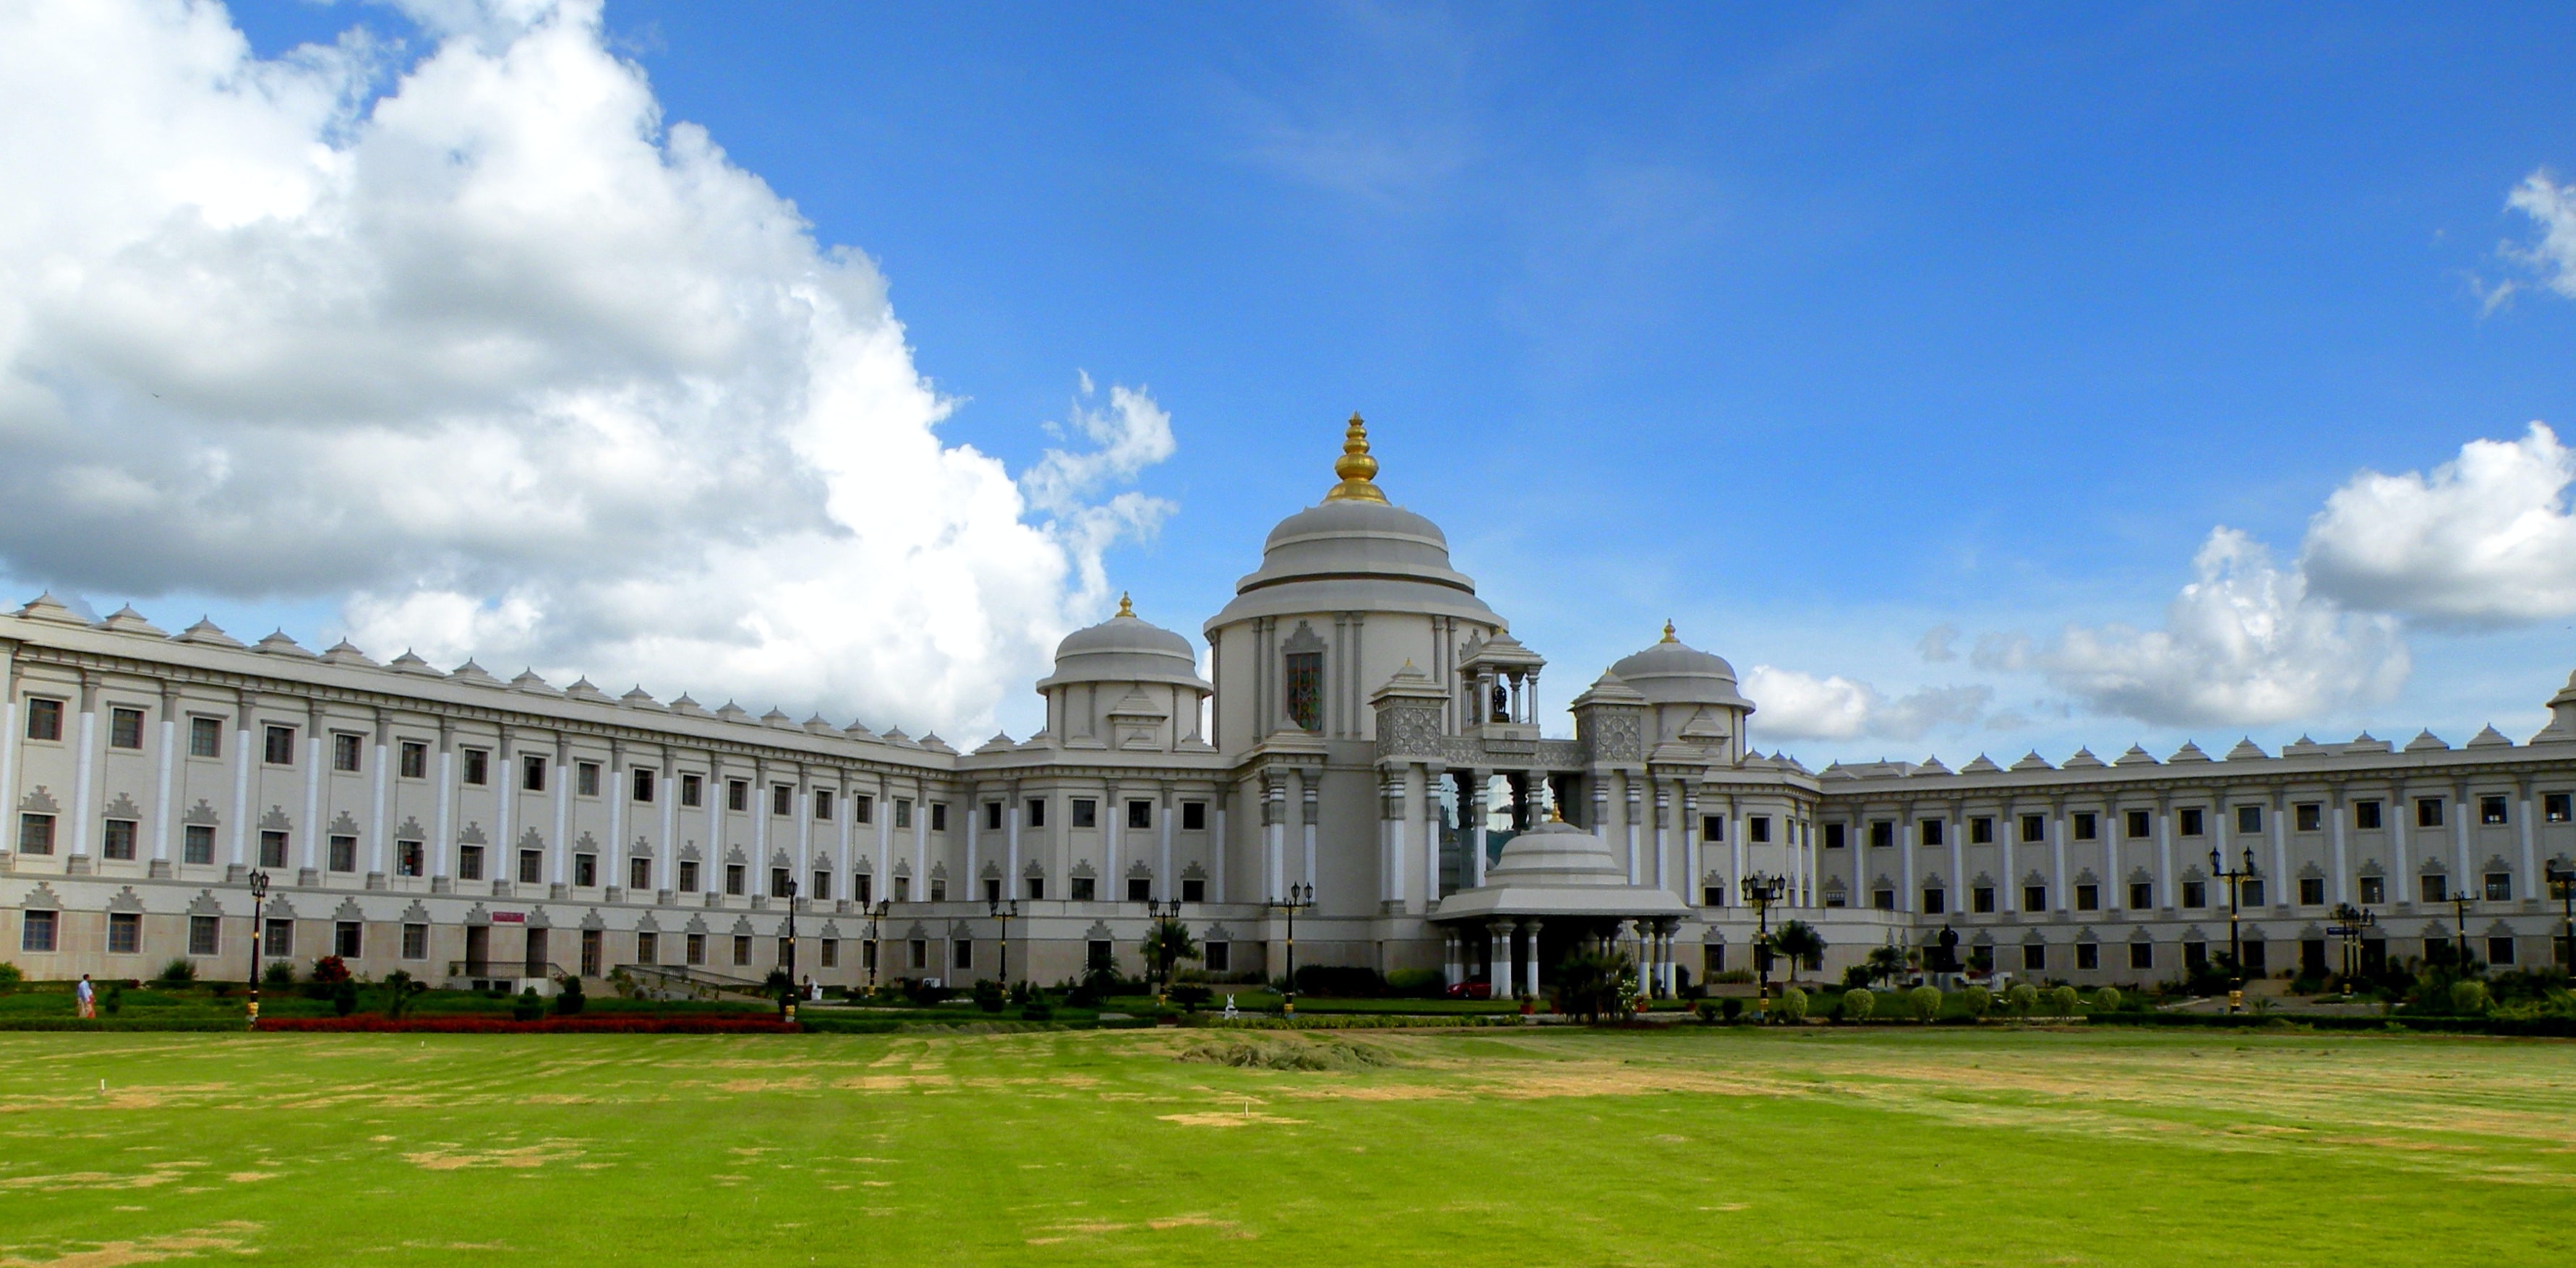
1356, 468
1126, 607
1668, 633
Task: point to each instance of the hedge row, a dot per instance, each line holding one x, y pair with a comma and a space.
632, 1025
1357, 1021
2520, 1027
123, 1023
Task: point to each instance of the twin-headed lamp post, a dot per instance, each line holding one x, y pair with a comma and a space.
2235, 947
1300, 896
1764, 889
258, 896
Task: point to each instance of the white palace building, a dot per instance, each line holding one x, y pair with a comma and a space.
1370, 733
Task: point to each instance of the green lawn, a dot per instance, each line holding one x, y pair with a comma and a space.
1541, 1147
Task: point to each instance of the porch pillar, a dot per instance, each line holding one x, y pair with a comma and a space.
1499, 974
1533, 957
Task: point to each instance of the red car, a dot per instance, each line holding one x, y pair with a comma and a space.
1476, 989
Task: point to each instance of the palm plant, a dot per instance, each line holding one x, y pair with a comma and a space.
1168, 942
1799, 941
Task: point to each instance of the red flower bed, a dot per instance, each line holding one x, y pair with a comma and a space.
607, 1025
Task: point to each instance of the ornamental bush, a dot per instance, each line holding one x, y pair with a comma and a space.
1925, 1001
1857, 1004
2021, 997
1792, 1005
2107, 999
10, 977
2468, 995
569, 1001
2062, 1000
178, 972
280, 975
988, 995
344, 997
1978, 1001
527, 1007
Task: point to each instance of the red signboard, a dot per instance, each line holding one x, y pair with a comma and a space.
509, 917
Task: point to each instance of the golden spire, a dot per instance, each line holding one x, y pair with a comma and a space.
1668, 633
1356, 468
1125, 606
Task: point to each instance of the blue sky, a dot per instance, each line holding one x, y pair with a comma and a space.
1815, 329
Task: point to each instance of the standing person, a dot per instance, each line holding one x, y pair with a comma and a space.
86, 996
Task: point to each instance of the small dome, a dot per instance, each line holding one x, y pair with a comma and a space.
1125, 648
1555, 853
1673, 672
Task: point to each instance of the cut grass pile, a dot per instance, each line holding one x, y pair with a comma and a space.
1697, 1146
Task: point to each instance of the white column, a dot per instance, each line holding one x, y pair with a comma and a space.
84, 780
1011, 818
376, 868
619, 790
1663, 814
2165, 896
505, 798
1114, 884
312, 825
804, 807
666, 852
2529, 885
711, 855
2057, 882
1636, 811
241, 783
1448, 958
2010, 827
442, 858
1308, 798
760, 817
562, 872
885, 843
1396, 826
1430, 816
1499, 977
2281, 891
2342, 869
162, 818
10, 727
1479, 808
1223, 845
974, 815
1957, 883
2403, 879
921, 837
2460, 837
1165, 886
1909, 837
1530, 981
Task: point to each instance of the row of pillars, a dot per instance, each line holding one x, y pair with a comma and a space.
1513, 955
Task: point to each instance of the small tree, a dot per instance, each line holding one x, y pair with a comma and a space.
1925, 1001
1886, 964
280, 974
1977, 1001
344, 997
569, 1001
2107, 999
178, 972
1857, 1004
10, 976
401, 989
1594, 984
2061, 1000
2468, 996
1168, 943
2021, 997
1791, 1007
330, 970
1800, 942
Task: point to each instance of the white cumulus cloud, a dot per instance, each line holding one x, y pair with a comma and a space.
474, 334
2485, 539
1799, 706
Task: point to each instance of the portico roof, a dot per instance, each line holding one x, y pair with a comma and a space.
1557, 869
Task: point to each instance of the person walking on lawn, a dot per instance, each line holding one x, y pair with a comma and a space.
86, 997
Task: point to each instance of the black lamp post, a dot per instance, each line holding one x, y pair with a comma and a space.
787, 998
2562, 885
258, 896
2349, 921
1003, 909
1764, 890
2460, 925
1158, 912
1300, 896
876, 949
2235, 945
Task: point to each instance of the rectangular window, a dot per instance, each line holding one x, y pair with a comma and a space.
278, 746
688, 876
1981, 900
1140, 814
1712, 959
36, 930
1140, 889
2365, 814
272, 849
1083, 889
2491, 810
2087, 827
693, 791
1981, 830
2142, 895
641, 781
585, 870
2428, 812
415, 941
735, 877
1712, 894
2249, 819
117, 842
532, 772
1217, 956
2434, 888
1712, 827
2499, 887
2088, 898
2374, 889
1935, 902
2255, 957
2195, 955
867, 886
2034, 828
347, 937
1929, 831
1037, 887
2142, 955
2034, 957
2557, 807
822, 805
2250, 892
1193, 891
742, 948
1882, 834
469, 862
2141, 825
585, 779
697, 948
1305, 682
205, 935
782, 800
1102, 954
124, 728
778, 882
2310, 816
410, 858
831, 952
1086, 813
639, 874
412, 759
939, 816
903, 889
2088, 956
2312, 891
197, 843
2192, 822
478, 766
1834, 837
648, 947
344, 854
903, 812
205, 737
738, 795
863, 808
124, 932
920, 953
532, 866
1757, 829
1883, 899
2499, 950
1193, 816
281, 938
2195, 894
345, 752
821, 890
593, 951
964, 953
2034, 898
45, 722
992, 816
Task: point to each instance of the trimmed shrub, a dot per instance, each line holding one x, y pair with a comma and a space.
279, 975
1415, 984
1857, 1004
699, 1024
1792, 1005
1730, 1008
1706, 1012
2062, 1000
924, 995
2469, 996
178, 972
10, 976
1037, 1010
569, 1001
988, 995
1857, 977
2107, 999
1193, 995
1340, 981
114, 1001
344, 997
528, 1006
2021, 997
330, 970
1977, 1002
1925, 1001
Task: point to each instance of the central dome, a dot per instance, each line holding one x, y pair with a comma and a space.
1355, 551
1673, 672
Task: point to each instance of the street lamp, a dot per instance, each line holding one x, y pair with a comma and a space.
876, 949
2460, 925
1764, 890
258, 895
787, 998
2235, 946
1157, 913
2562, 886
1001, 909
1300, 896
2349, 921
